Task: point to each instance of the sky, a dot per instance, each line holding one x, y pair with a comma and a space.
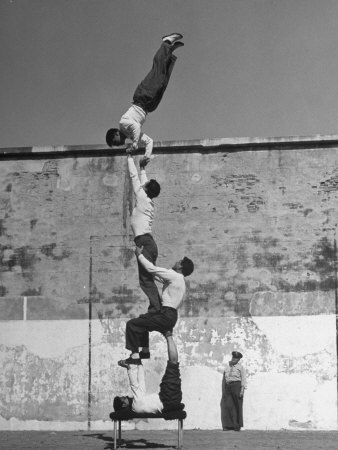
249, 68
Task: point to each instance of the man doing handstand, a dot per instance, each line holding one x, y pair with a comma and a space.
146, 99
170, 396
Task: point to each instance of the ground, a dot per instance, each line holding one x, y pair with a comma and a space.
193, 440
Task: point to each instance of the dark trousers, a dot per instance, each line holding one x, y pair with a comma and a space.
146, 279
170, 387
149, 92
232, 406
138, 329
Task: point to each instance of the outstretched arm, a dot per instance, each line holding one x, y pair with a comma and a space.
143, 175
137, 181
136, 380
134, 129
148, 143
160, 272
133, 174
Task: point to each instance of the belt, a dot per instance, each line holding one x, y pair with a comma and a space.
145, 234
231, 382
169, 307
140, 106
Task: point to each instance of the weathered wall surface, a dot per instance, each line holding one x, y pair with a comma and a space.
259, 224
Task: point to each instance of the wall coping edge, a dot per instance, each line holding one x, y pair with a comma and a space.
233, 143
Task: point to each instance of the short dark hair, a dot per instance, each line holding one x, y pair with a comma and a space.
153, 188
110, 137
118, 403
237, 355
187, 266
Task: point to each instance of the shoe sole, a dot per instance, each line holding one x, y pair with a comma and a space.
179, 36
123, 364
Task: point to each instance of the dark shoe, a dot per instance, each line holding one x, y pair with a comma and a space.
177, 45
125, 362
237, 429
122, 363
144, 355
173, 37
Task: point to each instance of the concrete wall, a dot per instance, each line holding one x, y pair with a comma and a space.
259, 219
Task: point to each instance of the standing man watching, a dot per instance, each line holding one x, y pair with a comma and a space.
233, 385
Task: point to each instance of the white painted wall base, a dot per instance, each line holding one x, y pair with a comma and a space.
291, 364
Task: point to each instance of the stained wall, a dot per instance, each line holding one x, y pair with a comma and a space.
259, 219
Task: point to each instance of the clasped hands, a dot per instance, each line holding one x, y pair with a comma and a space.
130, 150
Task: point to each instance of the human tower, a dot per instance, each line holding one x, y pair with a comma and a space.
162, 311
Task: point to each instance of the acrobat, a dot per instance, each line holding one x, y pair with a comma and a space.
164, 320
170, 396
141, 222
146, 99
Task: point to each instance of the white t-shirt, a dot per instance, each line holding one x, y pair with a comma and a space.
143, 212
130, 125
174, 288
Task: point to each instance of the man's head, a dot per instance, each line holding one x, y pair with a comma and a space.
122, 402
236, 356
184, 266
115, 137
152, 188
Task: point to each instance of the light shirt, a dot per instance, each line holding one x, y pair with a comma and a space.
173, 290
130, 125
235, 373
142, 402
143, 212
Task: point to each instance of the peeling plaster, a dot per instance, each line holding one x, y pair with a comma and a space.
50, 370
66, 181
265, 281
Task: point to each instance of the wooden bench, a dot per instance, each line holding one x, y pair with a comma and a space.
121, 415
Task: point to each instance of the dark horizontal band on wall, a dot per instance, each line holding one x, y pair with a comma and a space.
184, 146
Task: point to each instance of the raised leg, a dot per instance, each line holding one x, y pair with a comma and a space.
149, 92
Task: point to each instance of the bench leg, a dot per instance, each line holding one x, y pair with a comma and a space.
115, 434
180, 434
